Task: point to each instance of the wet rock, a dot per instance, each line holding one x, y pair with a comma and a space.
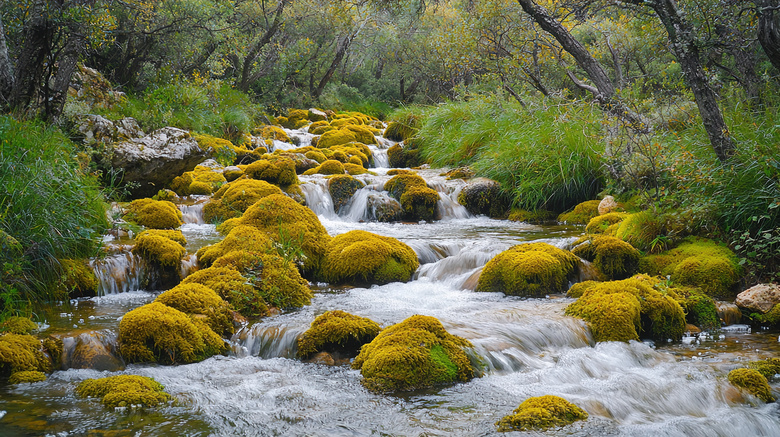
323, 358
316, 115
728, 313
152, 162
90, 352
484, 196
608, 204
759, 298
385, 209
693, 329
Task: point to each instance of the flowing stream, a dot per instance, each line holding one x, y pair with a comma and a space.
528, 347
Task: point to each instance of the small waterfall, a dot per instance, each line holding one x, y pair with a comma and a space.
728, 312
95, 350
370, 204
431, 252
118, 273
188, 264
448, 206
266, 341
193, 214
318, 198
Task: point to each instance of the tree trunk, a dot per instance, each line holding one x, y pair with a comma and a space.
7, 80
66, 65
254, 52
33, 56
341, 50
769, 29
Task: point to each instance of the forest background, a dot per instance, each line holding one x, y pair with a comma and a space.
671, 106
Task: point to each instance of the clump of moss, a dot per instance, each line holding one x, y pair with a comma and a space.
154, 214
485, 197
459, 173
291, 226
342, 188
329, 167
232, 286
202, 180
640, 229
158, 333
18, 325
234, 198
700, 309
279, 172
222, 150
277, 280
124, 391
578, 289
697, 262
417, 200
614, 258
605, 223
581, 214
200, 300
416, 353
768, 367
541, 413
21, 352
404, 155
174, 235
398, 131
336, 137
274, 133
533, 269
27, 376
339, 332
536, 217
620, 310
78, 279
753, 382
770, 318
363, 257
241, 237
354, 169
163, 255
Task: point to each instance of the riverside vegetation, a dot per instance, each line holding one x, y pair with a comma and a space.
317, 242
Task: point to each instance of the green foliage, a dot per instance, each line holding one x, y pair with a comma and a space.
614, 258
124, 391
337, 331
541, 413
582, 213
49, 209
758, 251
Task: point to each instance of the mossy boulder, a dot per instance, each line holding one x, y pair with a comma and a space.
280, 171
614, 258
578, 289
18, 325
200, 300
641, 229
768, 367
541, 413
78, 279
700, 309
342, 188
459, 173
154, 214
398, 131
222, 150
233, 287
533, 270
366, 258
337, 332
316, 155
363, 134
404, 155
163, 255
621, 310
241, 237
273, 133
753, 382
158, 333
329, 167
277, 280
290, 225
605, 224
354, 169
22, 352
697, 262
482, 196
536, 217
581, 214
26, 376
417, 200
124, 391
414, 354
202, 180
234, 198
336, 137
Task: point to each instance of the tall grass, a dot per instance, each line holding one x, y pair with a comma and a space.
49, 205
547, 156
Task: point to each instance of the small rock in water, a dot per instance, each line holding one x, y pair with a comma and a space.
323, 358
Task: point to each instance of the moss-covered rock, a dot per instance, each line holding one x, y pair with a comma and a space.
336, 137
337, 332
362, 257
363, 134
581, 214
541, 413
78, 279
28, 376
154, 214
483, 196
537, 217
170, 234
18, 325
641, 229
605, 224
614, 258
753, 382
342, 188
768, 367
621, 310
21, 352
700, 309
404, 155
417, 200
316, 155
414, 354
241, 237
533, 270
158, 333
398, 131
329, 167
233, 287
697, 262
163, 255
273, 133
279, 172
200, 300
234, 198
354, 169
124, 391
278, 281
459, 173
202, 180
578, 289
222, 150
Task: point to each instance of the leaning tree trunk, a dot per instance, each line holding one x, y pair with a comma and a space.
7, 79
341, 50
254, 51
769, 29
66, 66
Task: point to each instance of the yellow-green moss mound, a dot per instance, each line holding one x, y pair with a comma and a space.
241, 237
768, 367
291, 226
621, 310
406, 155
534, 269
158, 333
581, 214
232, 286
27, 376
605, 223
336, 137
174, 235
641, 229
274, 133
753, 382
200, 301
484, 196
78, 279
154, 214
277, 280
342, 188
18, 325
22, 352
328, 167
697, 262
537, 217
280, 171
234, 198
541, 413
700, 309
416, 353
202, 180
417, 200
159, 250
124, 391
614, 258
222, 150
337, 332
363, 257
